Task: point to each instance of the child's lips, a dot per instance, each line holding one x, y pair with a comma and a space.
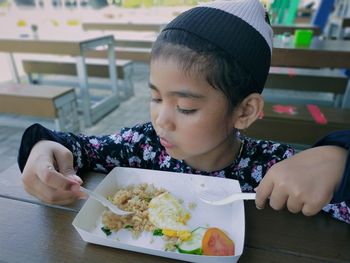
165, 143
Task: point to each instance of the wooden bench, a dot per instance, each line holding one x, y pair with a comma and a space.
298, 124
308, 80
57, 103
321, 80
67, 66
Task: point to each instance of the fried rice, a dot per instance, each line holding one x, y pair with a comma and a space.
134, 198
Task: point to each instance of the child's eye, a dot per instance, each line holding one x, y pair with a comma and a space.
156, 100
185, 111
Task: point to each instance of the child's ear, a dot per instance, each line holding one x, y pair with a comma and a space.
248, 111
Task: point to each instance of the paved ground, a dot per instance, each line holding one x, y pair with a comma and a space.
130, 112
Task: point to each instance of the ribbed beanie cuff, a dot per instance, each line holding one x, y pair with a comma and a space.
238, 27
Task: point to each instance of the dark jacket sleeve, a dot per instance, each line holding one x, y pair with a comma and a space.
342, 139
30, 137
95, 153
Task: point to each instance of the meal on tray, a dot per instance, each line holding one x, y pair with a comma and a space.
157, 211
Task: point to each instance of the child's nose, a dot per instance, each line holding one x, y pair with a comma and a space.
165, 119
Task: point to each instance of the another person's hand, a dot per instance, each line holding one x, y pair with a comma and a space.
305, 182
49, 174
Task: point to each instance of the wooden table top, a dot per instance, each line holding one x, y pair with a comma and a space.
124, 25
280, 29
50, 43
59, 43
31, 230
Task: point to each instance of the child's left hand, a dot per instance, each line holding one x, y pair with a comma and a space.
305, 182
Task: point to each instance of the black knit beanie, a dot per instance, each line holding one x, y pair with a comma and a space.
238, 27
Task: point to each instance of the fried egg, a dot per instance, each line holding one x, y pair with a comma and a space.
167, 213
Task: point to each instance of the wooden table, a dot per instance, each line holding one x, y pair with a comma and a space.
31, 230
123, 25
75, 45
281, 29
320, 54
299, 126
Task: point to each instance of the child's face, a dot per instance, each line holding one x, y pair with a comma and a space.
190, 116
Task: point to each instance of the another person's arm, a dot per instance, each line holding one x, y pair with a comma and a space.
311, 179
340, 139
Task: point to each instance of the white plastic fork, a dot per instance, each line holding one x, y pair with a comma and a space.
113, 208
208, 198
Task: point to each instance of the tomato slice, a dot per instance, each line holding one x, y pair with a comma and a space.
216, 243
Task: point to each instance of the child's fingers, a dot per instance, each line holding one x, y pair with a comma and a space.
278, 198
48, 194
50, 177
76, 178
294, 205
64, 161
310, 210
263, 192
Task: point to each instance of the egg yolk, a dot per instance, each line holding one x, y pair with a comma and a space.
183, 235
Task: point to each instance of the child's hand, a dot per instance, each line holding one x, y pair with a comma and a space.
305, 182
49, 174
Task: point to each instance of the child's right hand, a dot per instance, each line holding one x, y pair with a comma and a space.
49, 174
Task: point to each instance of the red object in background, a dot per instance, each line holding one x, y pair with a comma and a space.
316, 114
287, 109
291, 72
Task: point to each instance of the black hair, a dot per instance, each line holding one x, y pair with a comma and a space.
197, 55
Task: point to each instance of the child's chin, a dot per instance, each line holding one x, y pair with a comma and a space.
174, 154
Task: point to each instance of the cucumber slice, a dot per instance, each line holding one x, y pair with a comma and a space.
193, 245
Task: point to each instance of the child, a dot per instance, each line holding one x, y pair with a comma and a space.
208, 68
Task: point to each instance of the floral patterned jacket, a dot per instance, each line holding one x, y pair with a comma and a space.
140, 147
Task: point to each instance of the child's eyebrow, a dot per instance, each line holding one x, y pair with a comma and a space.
151, 86
182, 94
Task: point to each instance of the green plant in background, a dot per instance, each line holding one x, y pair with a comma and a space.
150, 3
147, 3
191, 2
4, 4
132, 3
21, 23
54, 22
